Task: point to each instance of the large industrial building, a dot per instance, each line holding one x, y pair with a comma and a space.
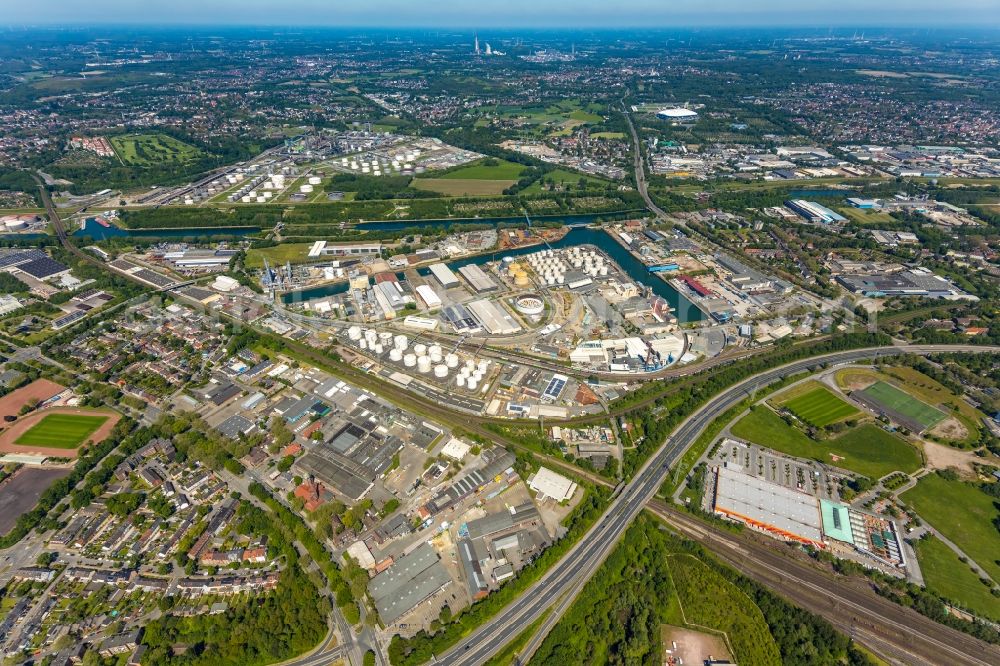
814, 212
493, 317
443, 275
325, 249
767, 506
915, 282
793, 515
410, 580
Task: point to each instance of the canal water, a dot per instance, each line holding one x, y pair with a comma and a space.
98, 233
684, 310
568, 220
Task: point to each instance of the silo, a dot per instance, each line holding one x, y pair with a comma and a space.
460, 381
410, 360
396, 355
401, 342
420, 349
378, 348
441, 371
424, 364
451, 360
471, 383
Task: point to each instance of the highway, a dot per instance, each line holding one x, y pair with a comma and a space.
565, 579
584, 558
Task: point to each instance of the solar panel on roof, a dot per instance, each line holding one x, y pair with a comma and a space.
42, 268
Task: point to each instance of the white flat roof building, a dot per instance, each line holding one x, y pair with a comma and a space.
494, 318
428, 296
547, 483
456, 449
420, 323
444, 275
782, 511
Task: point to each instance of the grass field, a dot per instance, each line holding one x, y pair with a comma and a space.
818, 406
962, 513
904, 403
61, 431
865, 216
608, 135
565, 178
146, 149
945, 575
502, 170
701, 592
278, 254
866, 450
459, 187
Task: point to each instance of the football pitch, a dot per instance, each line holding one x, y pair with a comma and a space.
904, 404
61, 431
820, 407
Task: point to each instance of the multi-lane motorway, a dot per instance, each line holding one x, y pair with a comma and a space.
580, 563
558, 587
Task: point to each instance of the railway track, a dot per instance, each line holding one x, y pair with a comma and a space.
899, 634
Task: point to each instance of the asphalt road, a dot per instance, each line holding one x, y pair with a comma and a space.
583, 560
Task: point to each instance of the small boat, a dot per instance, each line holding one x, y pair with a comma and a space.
101, 221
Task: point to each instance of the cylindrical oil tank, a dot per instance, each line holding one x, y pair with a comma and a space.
410, 360
441, 371
424, 364
451, 360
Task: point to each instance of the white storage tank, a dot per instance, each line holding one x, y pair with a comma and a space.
470, 364
451, 360
460, 381
378, 348
371, 336
420, 349
385, 337
363, 344
472, 383
354, 333
315, 180
396, 355
424, 364
410, 360
441, 371
401, 342
435, 349
305, 189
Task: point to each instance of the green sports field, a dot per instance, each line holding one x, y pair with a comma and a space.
820, 407
903, 403
61, 431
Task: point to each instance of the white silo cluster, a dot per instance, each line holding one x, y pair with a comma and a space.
248, 192
589, 261
374, 165
276, 182
472, 373
550, 267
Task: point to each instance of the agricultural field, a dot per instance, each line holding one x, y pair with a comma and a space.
867, 449
61, 431
700, 591
817, 405
896, 401
151, 149
946, 576
961, 512
462, 187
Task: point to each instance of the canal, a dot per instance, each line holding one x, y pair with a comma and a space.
98, 233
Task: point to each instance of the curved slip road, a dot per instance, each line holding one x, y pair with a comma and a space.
584, 558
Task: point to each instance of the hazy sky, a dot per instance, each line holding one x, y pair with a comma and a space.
507, 13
